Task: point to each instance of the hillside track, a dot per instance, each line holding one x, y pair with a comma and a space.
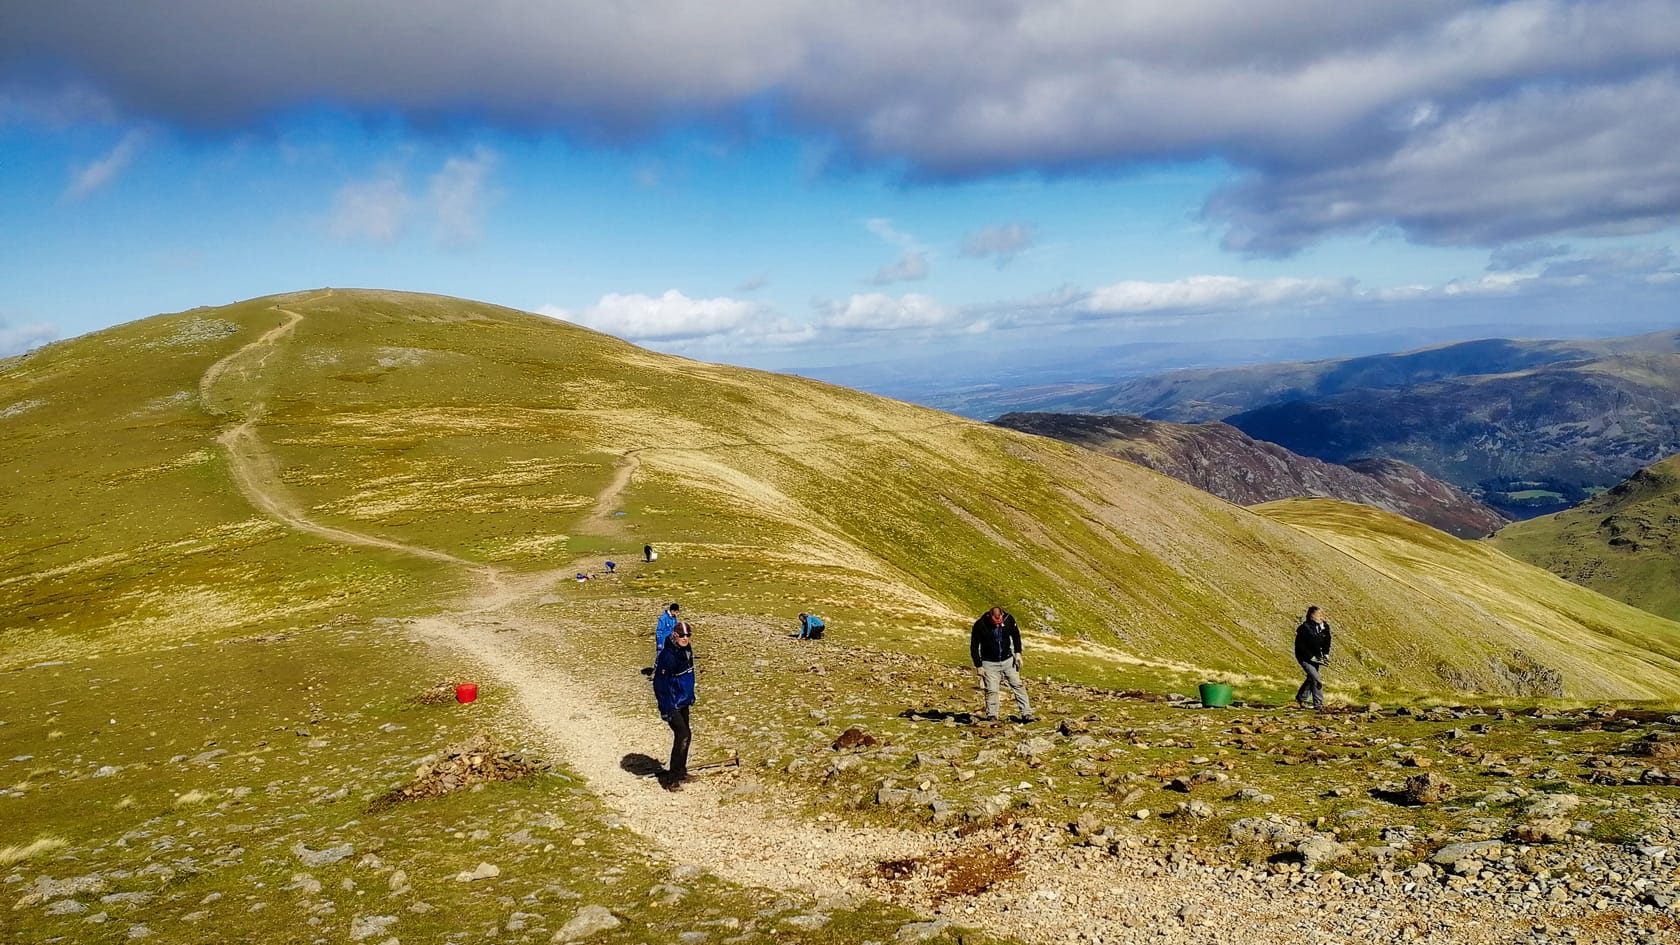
508, 626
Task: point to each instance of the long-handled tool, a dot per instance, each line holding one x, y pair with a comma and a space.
733, 761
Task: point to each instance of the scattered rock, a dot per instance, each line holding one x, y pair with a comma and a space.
366, 927
1319, 850
482, 871
853, 738
1549, 830
46, 888
1453, 853
318, 858
1428, 788
65, 907
589, 921
921, 931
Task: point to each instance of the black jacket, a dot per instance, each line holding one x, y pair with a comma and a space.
1312, 642
985, 646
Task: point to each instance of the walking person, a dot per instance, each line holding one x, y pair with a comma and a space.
995, 646
667, 622
673, 688
1312, 651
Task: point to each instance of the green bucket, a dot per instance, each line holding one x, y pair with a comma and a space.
1216, 695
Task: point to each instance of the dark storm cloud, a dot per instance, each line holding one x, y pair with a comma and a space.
1457, 122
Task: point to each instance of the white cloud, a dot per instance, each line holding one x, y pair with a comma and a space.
1000, 243
16, 339
375, 209
1209, 293
381, 209
459, 198
667, 317
874, 311
96, 174
909, 268
883, 228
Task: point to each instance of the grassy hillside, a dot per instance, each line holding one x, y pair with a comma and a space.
1530, 610
1624, 543
494, 436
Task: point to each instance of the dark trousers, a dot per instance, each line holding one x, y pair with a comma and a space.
681, 735
1311, 688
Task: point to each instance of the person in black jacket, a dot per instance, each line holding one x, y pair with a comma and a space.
995, 646
673, 689
1312, 651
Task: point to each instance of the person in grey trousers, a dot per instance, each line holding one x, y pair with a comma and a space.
1312, 651
995, 647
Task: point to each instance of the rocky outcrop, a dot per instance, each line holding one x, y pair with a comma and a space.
1221, 459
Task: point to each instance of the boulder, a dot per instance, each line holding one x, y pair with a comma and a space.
1428, 788
588, 922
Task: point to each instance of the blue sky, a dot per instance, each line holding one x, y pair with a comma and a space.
801, 184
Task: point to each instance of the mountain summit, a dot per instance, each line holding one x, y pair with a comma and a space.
242, 468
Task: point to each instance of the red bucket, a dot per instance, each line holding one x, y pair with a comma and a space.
466, 692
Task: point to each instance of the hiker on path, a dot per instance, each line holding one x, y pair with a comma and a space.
995, 646
647, 552
811, 627
667, 622
673, 688
1312, 651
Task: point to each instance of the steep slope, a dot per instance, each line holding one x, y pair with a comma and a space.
1624, 543
256, 465
1576, 426
1195, 395
1221, 459
1512, 595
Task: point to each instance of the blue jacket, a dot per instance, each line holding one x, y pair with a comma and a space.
673, 678
662, 629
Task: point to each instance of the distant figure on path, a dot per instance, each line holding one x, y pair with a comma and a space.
647, 552
1312, 651
667, 622
673, 688
811, 627
995, 646
611, 567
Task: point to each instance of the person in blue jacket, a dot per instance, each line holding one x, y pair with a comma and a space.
811, 627
667, 619
673, 687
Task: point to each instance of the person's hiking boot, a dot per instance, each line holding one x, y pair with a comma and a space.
671, 781
1028, 719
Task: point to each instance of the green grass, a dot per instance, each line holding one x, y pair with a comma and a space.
312, 727
1623, 543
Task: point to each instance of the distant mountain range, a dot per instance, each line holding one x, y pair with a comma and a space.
1525, 441
1191, 396
1624, 544
1221, 459
1527, 427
